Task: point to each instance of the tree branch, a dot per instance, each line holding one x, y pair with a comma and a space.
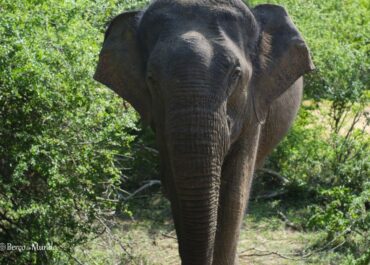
288, 222
275, 174
271, 195
147, 185
268, 253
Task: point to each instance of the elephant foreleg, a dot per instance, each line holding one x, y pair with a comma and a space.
281, 116
237, 173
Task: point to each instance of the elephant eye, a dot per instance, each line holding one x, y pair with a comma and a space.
150, 80
234, 79
236, 74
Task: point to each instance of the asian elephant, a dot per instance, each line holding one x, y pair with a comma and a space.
220, 83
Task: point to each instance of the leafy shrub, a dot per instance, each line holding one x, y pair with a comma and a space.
60, 133
326, 155
328, 170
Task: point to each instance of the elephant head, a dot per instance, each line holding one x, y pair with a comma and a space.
204, 75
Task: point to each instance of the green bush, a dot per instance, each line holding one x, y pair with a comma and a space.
329, 173
60, 132
326, 155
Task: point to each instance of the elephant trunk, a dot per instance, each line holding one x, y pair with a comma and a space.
197, 143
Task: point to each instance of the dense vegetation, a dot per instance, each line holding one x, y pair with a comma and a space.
326, 155
70, 149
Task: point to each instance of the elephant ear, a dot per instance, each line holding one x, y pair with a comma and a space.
121, 66
283, 57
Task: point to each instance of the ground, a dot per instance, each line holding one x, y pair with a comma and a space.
149, 239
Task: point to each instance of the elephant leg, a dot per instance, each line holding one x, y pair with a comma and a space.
281, 116
237, 174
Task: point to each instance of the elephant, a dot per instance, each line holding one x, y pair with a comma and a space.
220, 84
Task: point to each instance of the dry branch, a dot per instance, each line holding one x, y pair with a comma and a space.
271, 195
261, 253
288, 222
147, 185
283, 179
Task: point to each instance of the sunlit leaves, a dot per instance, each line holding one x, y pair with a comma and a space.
60, 131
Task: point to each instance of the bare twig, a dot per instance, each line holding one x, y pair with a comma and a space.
355, 120
106, 199
270, 195
99, 234
338, 246
288, 222
75, 259
275, 174
168, 236
109, 231
147, 185
90, 259
325, 247
261, 253
144, 147
295, 256
342, 120
123, 191
344, 154
68, 253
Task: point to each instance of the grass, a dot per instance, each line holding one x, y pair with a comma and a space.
149, 238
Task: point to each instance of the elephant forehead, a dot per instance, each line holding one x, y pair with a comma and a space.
172, 12
165, 19
199, 44
184, 4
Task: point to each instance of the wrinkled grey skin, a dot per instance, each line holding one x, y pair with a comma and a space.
220, 84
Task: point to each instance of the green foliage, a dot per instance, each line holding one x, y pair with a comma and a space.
328, 173
329, 168
144, 160
326, 155
60, 132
